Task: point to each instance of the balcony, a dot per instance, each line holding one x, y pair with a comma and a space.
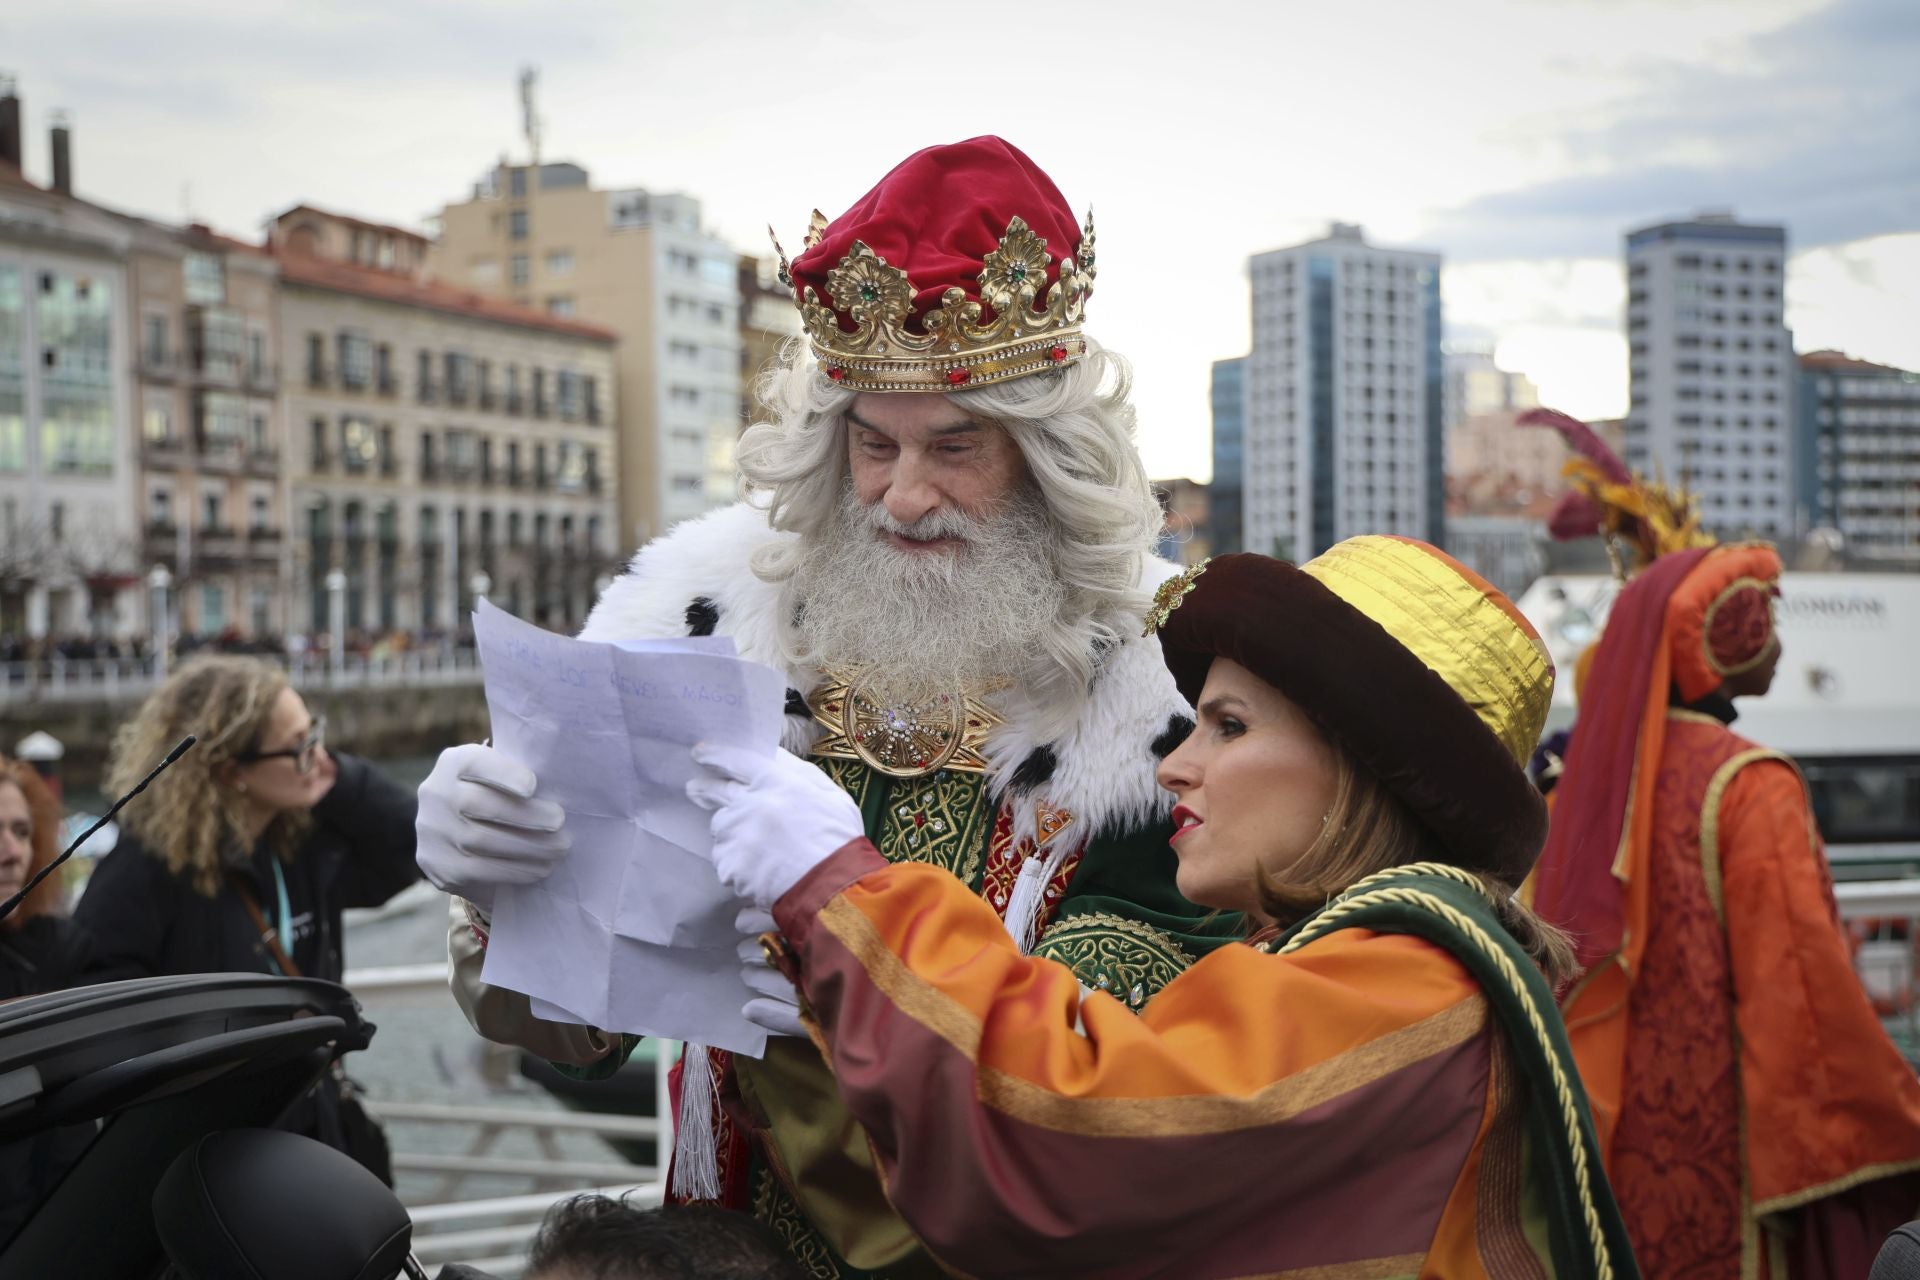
219, 543
316, 377
515, 403
263, 379
486, 399
159, 366
384, 383
161, 540
223, 456
171, 454
263, 462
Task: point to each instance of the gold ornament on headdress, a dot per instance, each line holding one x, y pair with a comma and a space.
1648, 518
1170, 594
1020, 325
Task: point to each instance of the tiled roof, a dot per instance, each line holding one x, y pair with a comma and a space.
409, 291
1840, 361
350, 220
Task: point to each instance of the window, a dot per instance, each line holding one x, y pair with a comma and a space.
383, 369
427, 468
222, 418
153, 346
539, 393
257, 433
257, 355
316, 359
359, 443
486, 271
560, 305
356, 359
567, 394
205, 280
158, 427
463, 452
590, 392
160, 508
560, 262
517, 224
423, 377
519, 271
571, 476
459, 377
387, 461
688, 484
513, 462
317, 432
517, 182
213, 607
261, 512
211, 511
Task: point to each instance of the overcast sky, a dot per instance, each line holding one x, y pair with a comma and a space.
1520, 138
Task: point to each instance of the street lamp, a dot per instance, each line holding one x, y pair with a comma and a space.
158, 581
336, 581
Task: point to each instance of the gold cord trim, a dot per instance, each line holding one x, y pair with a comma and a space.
1353, 901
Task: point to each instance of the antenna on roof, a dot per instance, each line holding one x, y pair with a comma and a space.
529, 118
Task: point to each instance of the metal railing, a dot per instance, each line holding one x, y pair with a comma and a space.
83, 679
492, 1232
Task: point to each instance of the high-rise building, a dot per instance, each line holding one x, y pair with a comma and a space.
1229, 395
1712, 368
443, 445
1476, 385
70, 555
1343, 395
1184, 536
640, 263
1860, 455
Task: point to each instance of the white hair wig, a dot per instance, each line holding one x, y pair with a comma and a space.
1074, 428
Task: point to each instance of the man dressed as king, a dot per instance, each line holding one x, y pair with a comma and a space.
946, 547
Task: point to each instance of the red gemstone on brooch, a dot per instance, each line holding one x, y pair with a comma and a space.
836, 374
957, 376
1057, 354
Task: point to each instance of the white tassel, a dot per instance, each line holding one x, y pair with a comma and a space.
1028, 898
696, 1156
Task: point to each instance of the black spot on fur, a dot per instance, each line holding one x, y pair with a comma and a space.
702, 617
797, 705
1178, 727
1036, 770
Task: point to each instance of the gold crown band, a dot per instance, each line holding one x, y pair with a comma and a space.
959, 372
1020, 325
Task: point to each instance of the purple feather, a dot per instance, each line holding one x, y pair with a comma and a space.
1581, 439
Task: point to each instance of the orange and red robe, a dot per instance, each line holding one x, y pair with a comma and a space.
1347, 1110
1757, 1119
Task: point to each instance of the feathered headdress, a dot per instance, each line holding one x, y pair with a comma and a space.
1647, 518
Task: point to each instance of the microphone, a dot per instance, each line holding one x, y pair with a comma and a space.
6, 909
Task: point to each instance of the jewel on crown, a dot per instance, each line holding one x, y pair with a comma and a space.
1019, 324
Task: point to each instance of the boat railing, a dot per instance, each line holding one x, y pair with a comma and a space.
458, 1215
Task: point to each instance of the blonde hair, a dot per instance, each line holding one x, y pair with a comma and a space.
1074, 428
43, 811
187, 818
1369, 829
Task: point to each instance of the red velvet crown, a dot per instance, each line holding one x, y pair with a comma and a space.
964, 266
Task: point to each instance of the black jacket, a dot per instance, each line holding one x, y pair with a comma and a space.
142, 920
45, 953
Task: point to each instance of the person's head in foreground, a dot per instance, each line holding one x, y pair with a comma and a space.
1373, 707
259, 768
592, 1237
969, 503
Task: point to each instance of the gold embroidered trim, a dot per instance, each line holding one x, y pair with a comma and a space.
1714, 664
1710, 822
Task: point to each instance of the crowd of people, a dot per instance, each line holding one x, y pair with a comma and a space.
1109, 919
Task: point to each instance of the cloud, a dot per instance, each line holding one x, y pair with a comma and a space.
1812, 123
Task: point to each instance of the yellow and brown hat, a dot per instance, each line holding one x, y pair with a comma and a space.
1421, 669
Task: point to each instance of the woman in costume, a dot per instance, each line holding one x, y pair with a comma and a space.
241, 857
1377, 1085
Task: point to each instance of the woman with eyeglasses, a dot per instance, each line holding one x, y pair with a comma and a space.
241, 857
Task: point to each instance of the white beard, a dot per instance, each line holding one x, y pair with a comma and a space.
921, 623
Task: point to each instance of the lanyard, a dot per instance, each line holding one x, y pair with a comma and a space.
286, 912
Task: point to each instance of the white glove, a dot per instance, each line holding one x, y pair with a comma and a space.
481, 825
777, 1006
775, 818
